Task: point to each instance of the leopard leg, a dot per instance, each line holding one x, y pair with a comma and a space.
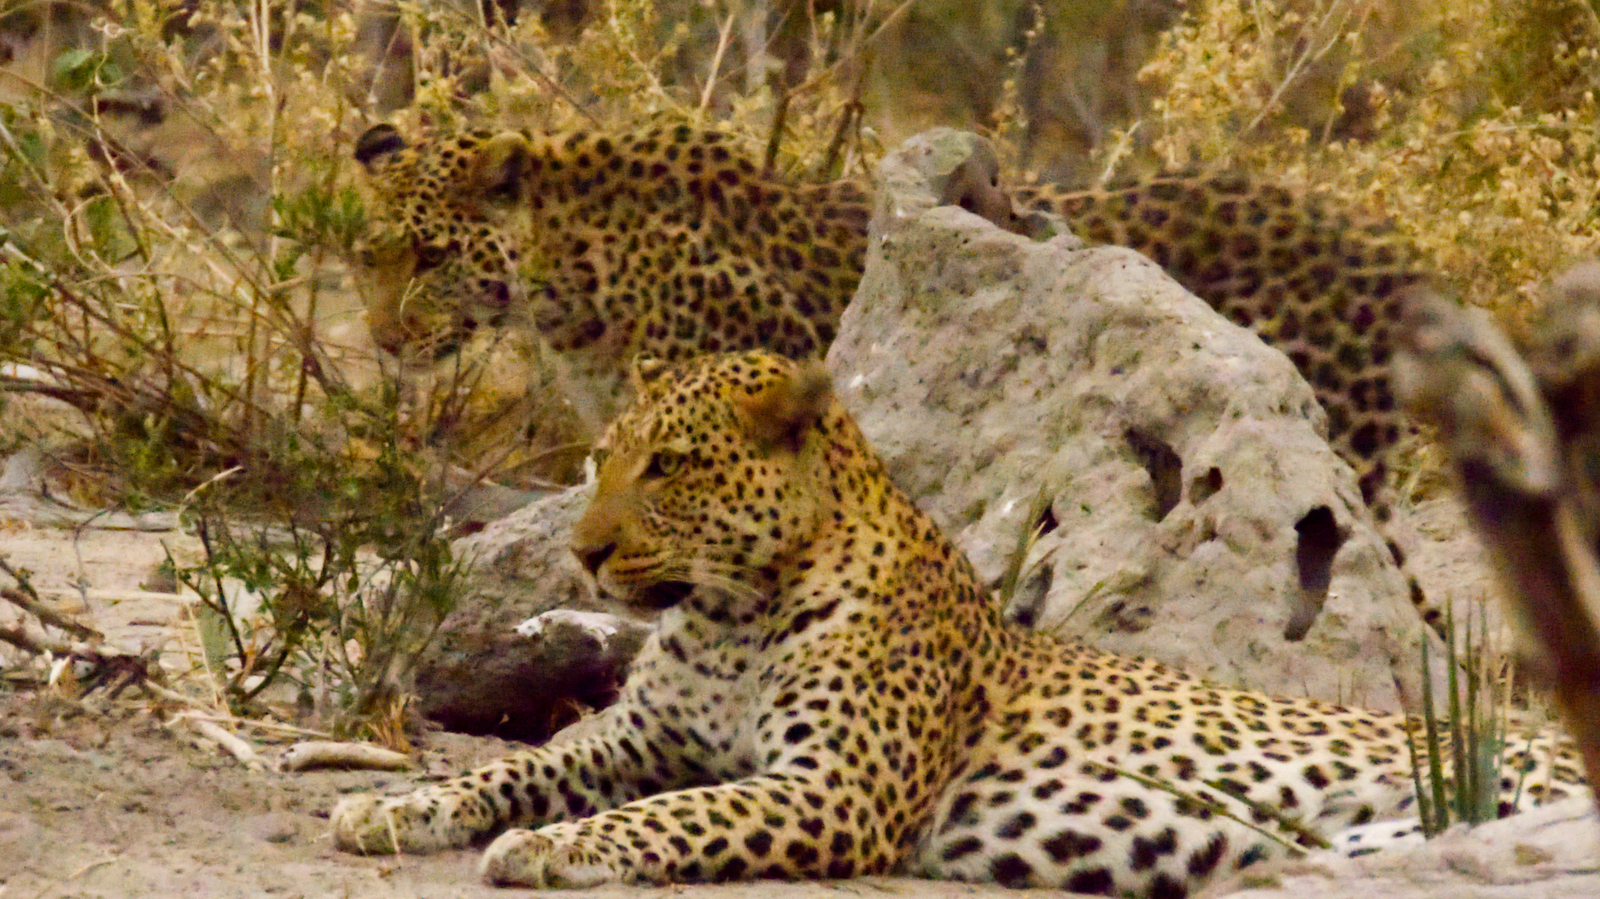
778, 826
548, 784
821, 804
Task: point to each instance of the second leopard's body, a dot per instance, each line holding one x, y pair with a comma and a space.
1323, 289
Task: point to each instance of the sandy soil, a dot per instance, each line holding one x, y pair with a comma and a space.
119, 806
116, 806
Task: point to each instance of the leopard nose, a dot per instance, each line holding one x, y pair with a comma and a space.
593, 557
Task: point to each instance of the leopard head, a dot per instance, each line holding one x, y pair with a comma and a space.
440, 254
710, 479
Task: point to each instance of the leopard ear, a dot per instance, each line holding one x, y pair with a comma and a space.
793, 404
501, 167
377, 142
645, 371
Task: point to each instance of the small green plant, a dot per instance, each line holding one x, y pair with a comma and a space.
1457, 768
333, 587
1037, 521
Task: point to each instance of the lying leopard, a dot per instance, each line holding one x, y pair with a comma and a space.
828, 693
673, 242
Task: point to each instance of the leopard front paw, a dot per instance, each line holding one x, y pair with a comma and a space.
418, 822
533, 859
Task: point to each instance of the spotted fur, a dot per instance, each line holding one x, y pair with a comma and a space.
827, 693
1323, 288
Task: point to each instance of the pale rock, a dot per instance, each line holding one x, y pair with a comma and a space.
1196, 513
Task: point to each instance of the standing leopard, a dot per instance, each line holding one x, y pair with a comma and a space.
668, 243
827, 693
672, 242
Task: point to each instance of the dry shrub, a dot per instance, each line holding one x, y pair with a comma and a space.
190, 171
634, 64
1470, 126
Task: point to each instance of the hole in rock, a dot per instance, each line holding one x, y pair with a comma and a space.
1164, 467
1317, 541
1205, 486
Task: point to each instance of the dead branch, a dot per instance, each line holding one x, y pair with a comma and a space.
26, 598
324, 754
38, 646
113, 670
28, 601
228, 742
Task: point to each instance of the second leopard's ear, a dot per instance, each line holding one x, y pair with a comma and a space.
501, 168
790, 406
378, 143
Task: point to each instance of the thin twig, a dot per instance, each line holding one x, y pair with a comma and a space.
780, 117
230, 743
38, 646
1296, 68
246, 722
26, 598
723, 36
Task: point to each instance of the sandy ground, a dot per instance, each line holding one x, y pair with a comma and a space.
119, 807
108, 801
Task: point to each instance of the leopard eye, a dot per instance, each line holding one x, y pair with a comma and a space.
664, 464
504, 193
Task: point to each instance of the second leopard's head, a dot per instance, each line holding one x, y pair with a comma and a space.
441, 254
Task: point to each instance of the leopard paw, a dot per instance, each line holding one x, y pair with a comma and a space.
534, 859
379, 825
